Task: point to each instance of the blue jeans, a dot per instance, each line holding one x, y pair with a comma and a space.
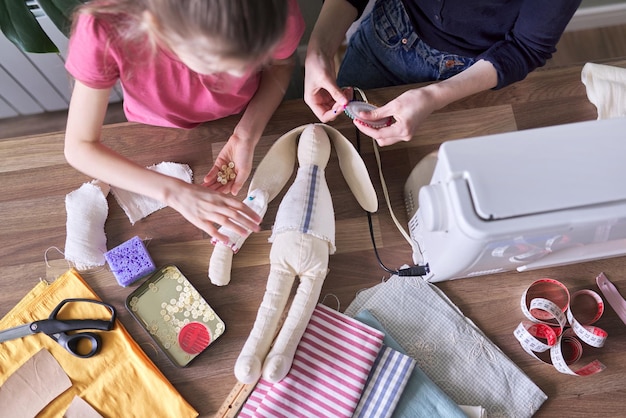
386, 51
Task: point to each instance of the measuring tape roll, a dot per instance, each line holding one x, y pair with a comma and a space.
559, 322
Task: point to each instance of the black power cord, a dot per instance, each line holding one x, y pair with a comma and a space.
407, 271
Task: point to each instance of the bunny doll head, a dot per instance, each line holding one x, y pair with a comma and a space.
314, 147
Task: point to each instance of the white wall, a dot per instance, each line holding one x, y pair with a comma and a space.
598, 13
35, 83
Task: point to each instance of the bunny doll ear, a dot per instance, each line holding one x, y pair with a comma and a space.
354, 170
277, 166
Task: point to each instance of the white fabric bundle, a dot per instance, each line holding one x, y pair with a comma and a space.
606, 89
87, 211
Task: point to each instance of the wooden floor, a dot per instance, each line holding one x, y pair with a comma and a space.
575, 47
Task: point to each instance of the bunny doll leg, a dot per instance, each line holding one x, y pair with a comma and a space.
248, 365
312, 270
280, 358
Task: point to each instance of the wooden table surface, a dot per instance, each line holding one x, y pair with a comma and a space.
34, 179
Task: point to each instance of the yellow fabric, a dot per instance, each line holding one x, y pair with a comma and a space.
120, 381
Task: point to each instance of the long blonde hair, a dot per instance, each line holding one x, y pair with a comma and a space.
239, 29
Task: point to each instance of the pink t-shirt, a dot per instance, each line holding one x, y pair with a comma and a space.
163, 91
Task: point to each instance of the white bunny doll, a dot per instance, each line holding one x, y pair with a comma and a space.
302, 239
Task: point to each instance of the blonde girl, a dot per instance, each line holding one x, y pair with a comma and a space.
180, 63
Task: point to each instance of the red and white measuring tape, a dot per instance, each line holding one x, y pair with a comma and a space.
558, 323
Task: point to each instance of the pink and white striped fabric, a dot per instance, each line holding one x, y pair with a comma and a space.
329, 371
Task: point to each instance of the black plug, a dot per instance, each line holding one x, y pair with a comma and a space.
414, 271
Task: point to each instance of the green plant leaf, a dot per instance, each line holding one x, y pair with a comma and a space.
20, 26
60, 12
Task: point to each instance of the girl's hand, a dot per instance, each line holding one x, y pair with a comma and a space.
409, 110
208, 210
238, 151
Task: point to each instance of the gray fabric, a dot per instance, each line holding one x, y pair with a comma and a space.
421, 398
449, 348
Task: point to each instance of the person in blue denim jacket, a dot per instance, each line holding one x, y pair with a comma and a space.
468, 46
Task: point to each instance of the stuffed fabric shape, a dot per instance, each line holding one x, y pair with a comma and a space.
87, 210
257, 201
297, 250
273, 173
303, 238
220, 264
354, 170
277, 166
268, 180
292, 254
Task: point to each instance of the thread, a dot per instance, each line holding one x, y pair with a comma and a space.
45, 255
336, 299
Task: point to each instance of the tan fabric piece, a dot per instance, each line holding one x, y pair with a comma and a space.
79, 408
36, 383
119, 381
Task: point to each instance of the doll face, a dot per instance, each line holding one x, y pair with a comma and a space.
314, 146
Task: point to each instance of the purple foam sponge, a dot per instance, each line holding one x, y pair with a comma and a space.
130, 261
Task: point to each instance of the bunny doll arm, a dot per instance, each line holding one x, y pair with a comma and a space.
220, 264
221, 260
277, 166
354, 170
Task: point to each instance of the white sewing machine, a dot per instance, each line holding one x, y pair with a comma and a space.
521, 200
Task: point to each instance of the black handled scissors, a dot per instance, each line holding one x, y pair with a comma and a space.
58, 329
